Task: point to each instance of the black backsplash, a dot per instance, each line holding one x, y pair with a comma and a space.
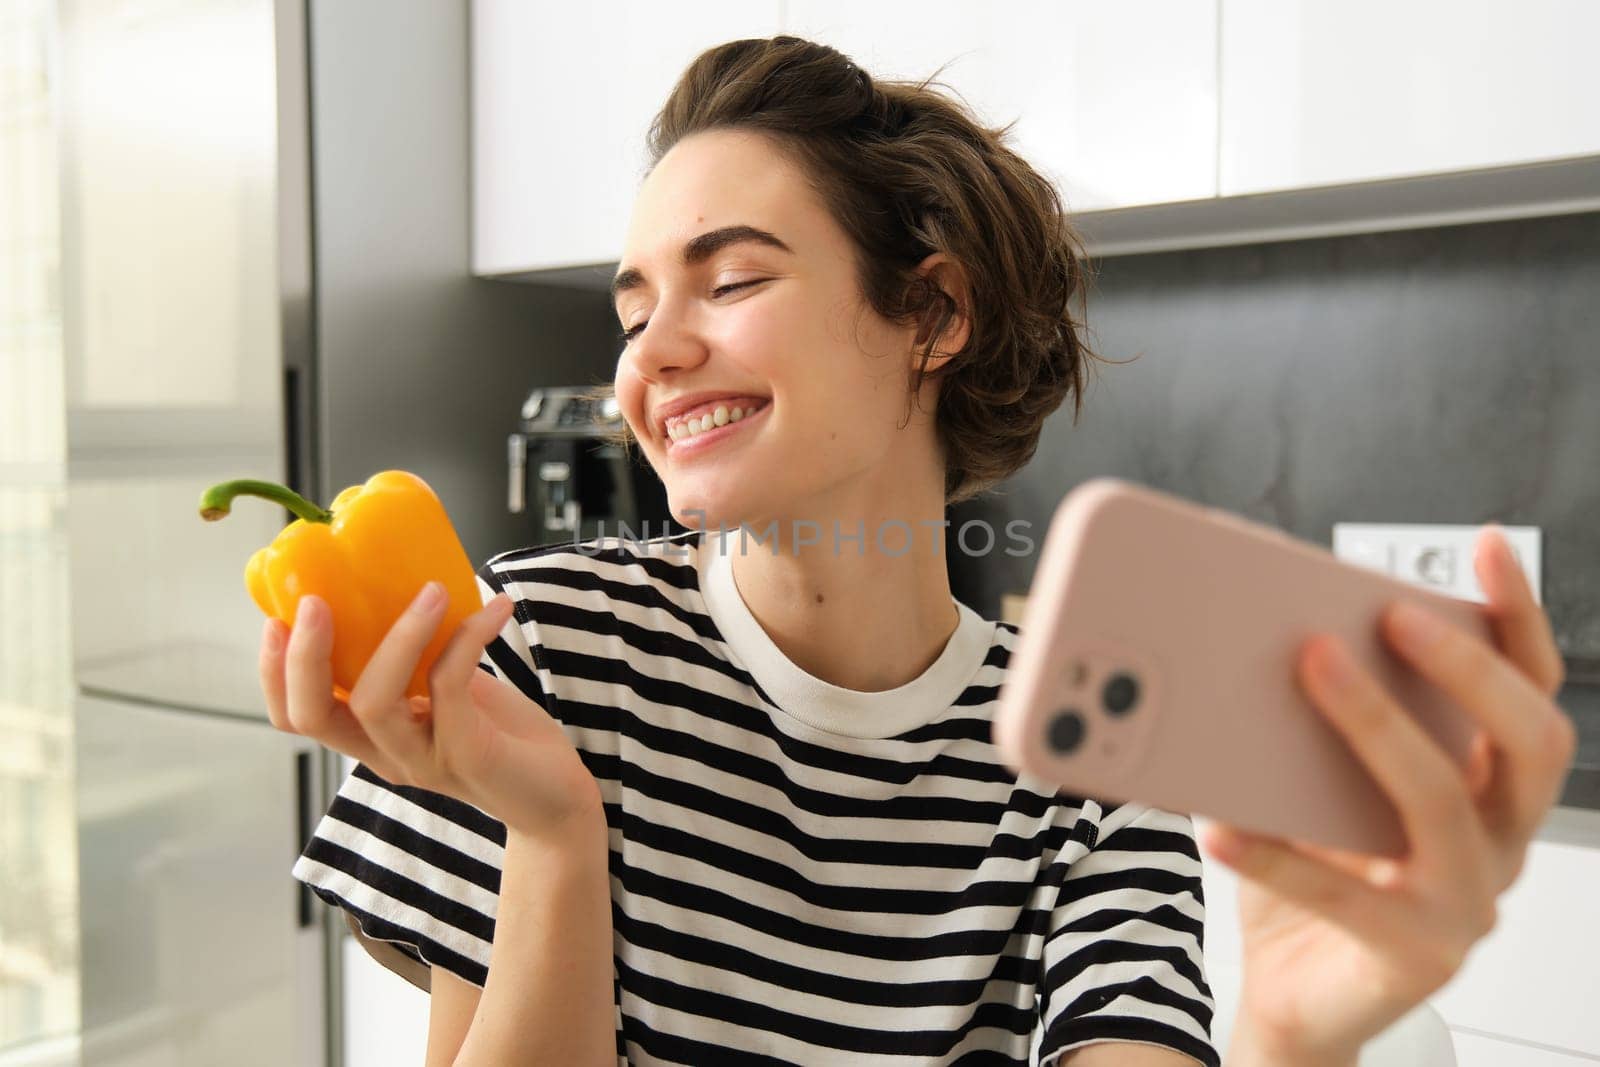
1447, 375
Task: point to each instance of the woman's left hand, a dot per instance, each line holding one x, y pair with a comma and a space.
1338, 946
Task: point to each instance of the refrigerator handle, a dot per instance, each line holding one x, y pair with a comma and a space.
293, 456
302, 790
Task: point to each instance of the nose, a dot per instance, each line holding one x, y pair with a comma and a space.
666, 344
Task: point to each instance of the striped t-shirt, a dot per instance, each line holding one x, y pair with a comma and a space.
800, 873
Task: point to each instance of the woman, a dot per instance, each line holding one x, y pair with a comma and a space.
713, 800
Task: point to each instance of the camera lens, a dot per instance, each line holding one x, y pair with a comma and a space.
1120, 694
1066, 731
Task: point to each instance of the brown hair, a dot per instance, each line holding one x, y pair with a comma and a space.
907, 171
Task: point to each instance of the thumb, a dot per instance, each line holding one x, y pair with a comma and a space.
509, 709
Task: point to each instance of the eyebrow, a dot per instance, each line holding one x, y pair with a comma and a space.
698, 250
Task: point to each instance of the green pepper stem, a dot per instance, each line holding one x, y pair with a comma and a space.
216, 502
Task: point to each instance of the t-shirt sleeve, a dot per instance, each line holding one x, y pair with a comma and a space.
1123, 959
415, 868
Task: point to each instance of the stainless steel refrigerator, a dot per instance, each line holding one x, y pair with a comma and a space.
264, 274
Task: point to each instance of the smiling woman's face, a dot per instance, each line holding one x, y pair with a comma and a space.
824, 379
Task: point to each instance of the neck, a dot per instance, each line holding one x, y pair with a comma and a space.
868, 610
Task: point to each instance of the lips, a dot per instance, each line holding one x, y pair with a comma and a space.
701, 404
688, 444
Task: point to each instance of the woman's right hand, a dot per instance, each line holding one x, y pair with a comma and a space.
473, 737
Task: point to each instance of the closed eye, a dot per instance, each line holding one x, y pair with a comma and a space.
629, 334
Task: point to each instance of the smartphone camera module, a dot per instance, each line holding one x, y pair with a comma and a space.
1065, 732
1121, 693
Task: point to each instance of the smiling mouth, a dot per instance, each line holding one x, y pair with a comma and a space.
706, 430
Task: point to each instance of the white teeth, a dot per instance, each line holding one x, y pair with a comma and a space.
698, 424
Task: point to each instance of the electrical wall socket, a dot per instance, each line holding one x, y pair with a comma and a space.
1435, 556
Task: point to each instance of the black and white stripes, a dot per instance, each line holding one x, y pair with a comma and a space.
799, 873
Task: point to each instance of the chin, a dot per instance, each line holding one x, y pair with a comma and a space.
709, 511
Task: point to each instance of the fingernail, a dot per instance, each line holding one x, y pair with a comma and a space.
308, 612
1502, 544
430, 597
272, 638
496, 608
1415, 625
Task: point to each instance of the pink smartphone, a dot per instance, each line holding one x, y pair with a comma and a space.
1156, 664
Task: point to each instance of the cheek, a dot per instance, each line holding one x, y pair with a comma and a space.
841, 395
630, 398
842, 424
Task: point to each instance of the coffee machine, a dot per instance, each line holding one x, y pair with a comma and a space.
571, 480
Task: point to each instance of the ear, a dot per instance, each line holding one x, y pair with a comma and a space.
947, 273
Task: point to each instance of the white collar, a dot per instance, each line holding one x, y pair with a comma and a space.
820, 704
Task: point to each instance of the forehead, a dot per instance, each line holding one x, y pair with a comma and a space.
709, 180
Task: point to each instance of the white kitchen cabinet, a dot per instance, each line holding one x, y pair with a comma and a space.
1116, 103
1317, 93
1536, 976
1358, 116
563, 95
385, 1016
1476, 1050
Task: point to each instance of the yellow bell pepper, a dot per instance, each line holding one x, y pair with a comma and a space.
367, 556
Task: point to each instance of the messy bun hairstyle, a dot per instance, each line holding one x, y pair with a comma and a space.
907, 171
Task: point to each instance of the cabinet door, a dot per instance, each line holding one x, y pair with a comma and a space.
1534, 978
1477, 1050
1316, 93
563, 95
198, 946
172, 342
385, 1016
1530, 982
1116, 103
